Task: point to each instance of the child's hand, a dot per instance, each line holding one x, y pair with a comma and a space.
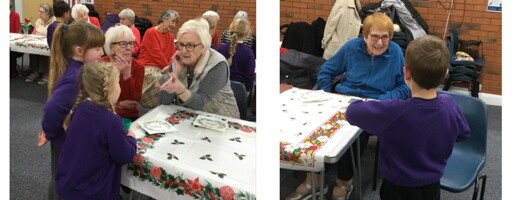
130, 133
42, 140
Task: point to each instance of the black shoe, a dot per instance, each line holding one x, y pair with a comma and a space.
14, 75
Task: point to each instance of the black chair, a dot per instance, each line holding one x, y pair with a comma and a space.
469, 156
241, 97
463, 71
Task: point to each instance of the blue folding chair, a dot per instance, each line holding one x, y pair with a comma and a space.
241, 97
468, 156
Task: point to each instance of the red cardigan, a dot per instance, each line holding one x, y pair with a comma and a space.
131, 88
14, 22
95, 21
157, 48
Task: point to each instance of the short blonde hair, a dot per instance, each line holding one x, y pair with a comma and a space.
113, 34
198, 26
380, 21
77, 10
212, 18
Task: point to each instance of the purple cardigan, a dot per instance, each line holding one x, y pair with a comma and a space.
243, 64
416, 136
94, 152
60, 103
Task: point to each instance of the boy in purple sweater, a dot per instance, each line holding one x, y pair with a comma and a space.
416, 135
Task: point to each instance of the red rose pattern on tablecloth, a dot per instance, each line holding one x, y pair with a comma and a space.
303, 152
227, 193
176, 117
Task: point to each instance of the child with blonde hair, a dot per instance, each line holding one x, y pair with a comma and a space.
96, 146
73, 45
240, 57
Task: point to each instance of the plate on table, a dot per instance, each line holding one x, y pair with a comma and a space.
157, 126
211, 123
314, 96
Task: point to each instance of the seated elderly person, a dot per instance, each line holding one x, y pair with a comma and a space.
200, 76
156, 53
80, 12
212, 17
127, 17
373, 68
119, 42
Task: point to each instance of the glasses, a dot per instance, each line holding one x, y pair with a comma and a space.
124, 44
189, 47
376, 38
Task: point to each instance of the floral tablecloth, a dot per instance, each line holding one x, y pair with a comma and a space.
31, 44
313, 127
193, 162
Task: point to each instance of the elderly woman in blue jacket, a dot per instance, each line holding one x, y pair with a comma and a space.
373, 68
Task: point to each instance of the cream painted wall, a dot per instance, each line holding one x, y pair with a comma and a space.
30, 9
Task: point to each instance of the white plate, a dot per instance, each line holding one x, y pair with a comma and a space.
157, 126
211, 123
314, 96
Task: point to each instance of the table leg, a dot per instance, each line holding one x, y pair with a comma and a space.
358, 155
322, 183
313, 189
356, 175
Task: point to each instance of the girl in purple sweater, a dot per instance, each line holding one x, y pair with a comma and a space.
96, 146
73, 45
240, 58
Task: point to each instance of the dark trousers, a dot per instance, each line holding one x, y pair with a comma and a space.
55, 155
12, 61
391, 191
39, 63
344, 165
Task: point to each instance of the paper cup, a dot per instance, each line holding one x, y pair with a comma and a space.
126, 123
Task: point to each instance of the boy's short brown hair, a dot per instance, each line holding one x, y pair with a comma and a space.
427, 59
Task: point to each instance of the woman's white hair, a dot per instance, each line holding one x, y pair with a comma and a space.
198, 26
77, 10
241, 14
127, 13
113, 34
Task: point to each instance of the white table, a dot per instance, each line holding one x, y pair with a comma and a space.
194, 162
31, 44
315, 133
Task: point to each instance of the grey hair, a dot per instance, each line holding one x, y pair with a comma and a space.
48, 9
198, 26
77, 10
113, 34
168, 14
212, 14
127, 13
241, 14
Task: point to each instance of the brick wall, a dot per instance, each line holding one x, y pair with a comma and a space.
188, 9
468, 16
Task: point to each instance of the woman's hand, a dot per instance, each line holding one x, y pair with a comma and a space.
178, 66
124, 65
42, 140
127, 104
173, 85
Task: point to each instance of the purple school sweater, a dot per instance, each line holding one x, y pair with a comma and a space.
60, 103
91, 159
416, 136
243, 64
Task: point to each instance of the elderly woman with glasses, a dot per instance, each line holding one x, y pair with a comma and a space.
119, 42
373, 68
156, 53
39, 64
127, 17
200, 76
